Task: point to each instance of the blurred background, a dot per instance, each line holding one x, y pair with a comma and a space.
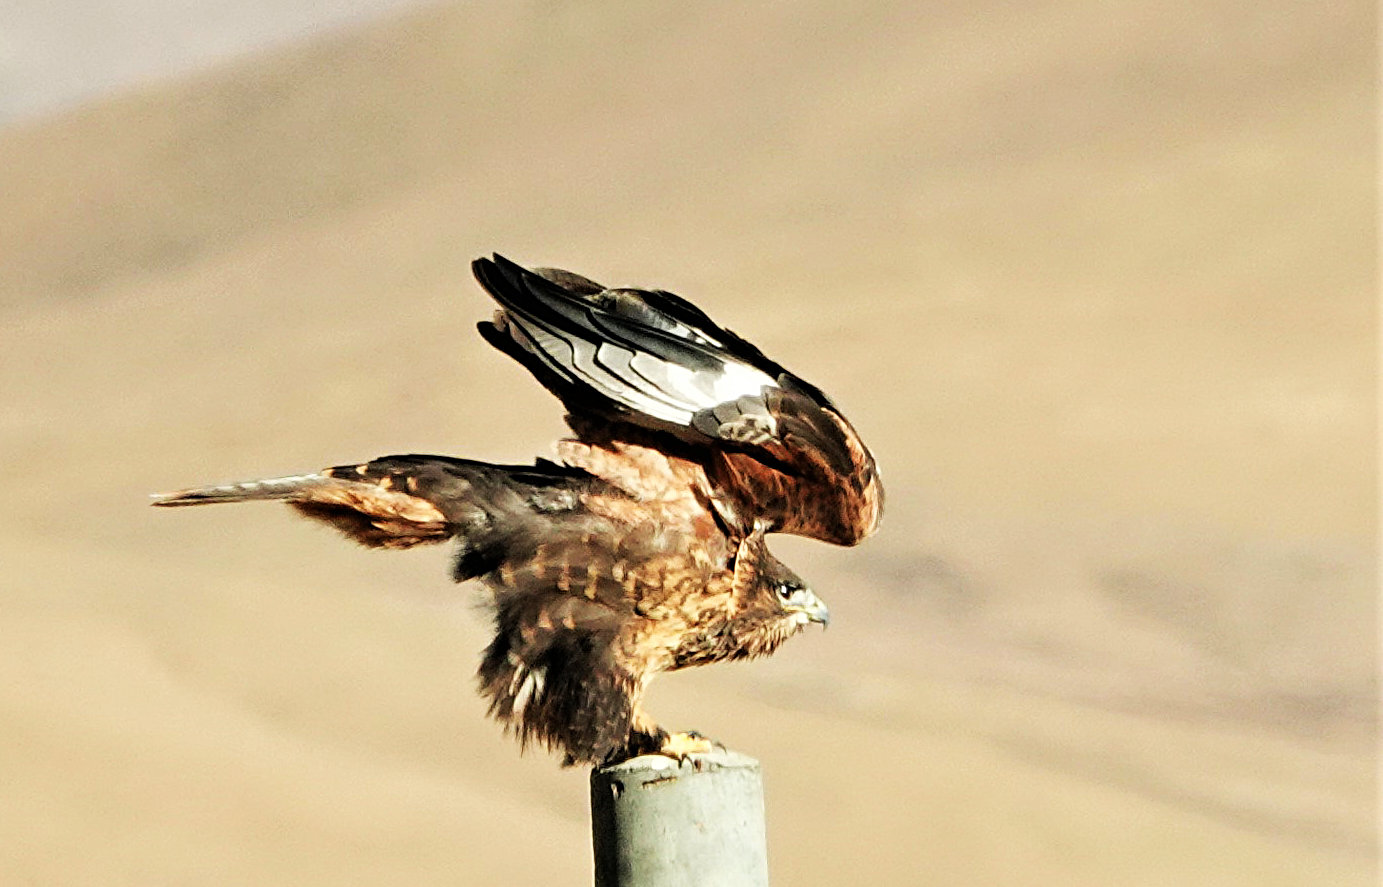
1097, 283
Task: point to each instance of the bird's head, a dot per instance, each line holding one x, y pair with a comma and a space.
779, 606
800, 604
773, 602
791, 598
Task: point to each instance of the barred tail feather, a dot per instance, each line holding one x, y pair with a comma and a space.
270, 488
366, 508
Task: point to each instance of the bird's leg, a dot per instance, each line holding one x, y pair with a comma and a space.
647, 738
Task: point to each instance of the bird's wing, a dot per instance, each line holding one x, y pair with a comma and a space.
775, 447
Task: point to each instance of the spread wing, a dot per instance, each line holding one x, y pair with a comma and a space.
775, 448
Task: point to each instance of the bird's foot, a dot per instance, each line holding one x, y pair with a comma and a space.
652, 740
681, 746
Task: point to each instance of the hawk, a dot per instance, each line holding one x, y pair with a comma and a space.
638, 550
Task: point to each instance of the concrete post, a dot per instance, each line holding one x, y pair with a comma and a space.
658, 823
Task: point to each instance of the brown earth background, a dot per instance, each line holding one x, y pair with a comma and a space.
1097, 283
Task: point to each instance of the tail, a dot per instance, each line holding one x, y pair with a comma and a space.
377, 504
403, 501
269, 488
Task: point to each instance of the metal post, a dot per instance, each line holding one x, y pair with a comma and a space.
658, 823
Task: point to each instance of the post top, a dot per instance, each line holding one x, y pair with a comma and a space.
662, 766
658, 821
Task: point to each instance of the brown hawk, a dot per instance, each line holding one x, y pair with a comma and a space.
641, 548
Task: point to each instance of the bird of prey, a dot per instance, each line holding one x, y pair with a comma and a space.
640, 548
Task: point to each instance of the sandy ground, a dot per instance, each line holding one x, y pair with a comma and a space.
1097, 287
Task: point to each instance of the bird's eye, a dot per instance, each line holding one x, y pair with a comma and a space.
786, 591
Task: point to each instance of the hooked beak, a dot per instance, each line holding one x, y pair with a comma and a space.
809, 608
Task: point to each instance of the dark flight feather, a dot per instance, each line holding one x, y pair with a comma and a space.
642, 548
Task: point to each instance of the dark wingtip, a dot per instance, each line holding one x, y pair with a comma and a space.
481, 268
491, 263
499, 275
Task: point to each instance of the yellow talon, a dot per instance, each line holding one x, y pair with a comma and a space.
680, 746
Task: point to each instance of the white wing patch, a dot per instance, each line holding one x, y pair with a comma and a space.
699, 389
647, 383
